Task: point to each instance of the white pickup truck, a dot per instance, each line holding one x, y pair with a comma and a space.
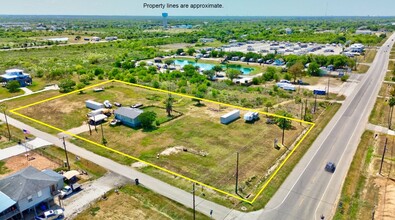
51, 214
67, 190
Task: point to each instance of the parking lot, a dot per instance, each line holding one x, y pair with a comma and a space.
286, 48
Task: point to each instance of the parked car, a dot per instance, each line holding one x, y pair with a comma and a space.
115, 122
117, 104
330, 167
107, 104
67, 190
51, 214
138, 105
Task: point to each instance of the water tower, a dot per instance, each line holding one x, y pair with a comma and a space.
164, 16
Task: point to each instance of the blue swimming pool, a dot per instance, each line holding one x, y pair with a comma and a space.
207, 66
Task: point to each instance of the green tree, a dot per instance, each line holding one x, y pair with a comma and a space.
313, 69
179, 51
147, 118
13, 86
217, 68
268, 105
284, 123
296, 70
155, 84
66, 85
209, 73
232, 73
191, 51
169, 62
199, 95
80, 86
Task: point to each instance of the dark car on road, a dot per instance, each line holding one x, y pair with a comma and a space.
330, 167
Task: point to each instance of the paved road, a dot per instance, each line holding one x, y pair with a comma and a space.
309, 191
22, 148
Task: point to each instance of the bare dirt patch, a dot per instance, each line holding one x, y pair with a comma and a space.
19, 162
386, 203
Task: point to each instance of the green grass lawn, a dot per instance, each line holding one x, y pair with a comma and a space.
16, 134
141, 204
3, 168
380, 112
5, 94
95, 171
362, 68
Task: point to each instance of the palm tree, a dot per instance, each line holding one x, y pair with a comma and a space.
169, 105
391, 103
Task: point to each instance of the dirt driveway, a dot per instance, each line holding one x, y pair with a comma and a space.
91, 191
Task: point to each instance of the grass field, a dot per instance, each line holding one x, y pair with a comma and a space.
380, 113
362, 68
367, 193
58, 155
195, 145
141, 204
16, 134
368, 57
5, 94
356, 203
391, 65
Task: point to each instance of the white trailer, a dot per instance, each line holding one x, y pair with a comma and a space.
251, 116
230, 116
93, 105
96, 112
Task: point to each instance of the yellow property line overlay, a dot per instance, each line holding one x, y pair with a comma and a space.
158, 167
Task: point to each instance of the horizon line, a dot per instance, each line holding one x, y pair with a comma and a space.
107, 15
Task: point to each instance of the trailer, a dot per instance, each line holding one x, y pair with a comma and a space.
251, 116
93, 105
230, 116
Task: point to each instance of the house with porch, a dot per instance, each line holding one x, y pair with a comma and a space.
26, 191
128, 116
24, 79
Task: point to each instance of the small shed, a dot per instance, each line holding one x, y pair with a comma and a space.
230, 116
128, 116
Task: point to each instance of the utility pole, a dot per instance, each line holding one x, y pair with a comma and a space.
65, 151
102, 135
283, 127
327, 94
382, 158
237, 172
305, 108
301, 111
4, 108
315, 103
90, 130
194, 210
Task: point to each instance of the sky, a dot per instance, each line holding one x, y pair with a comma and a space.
230, 7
